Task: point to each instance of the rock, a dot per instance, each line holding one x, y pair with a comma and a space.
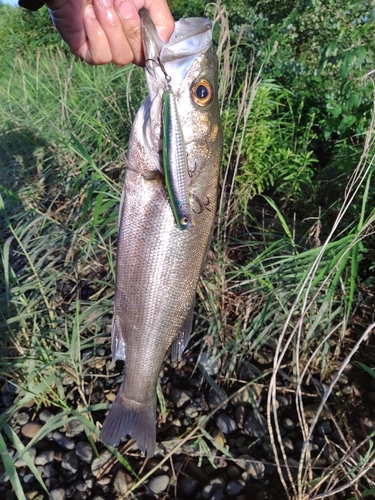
70, 462
233, 488
21, 418
84, 451
218, 495
253, 467
81, 486
189, 485
45, 457
158, 484
28, 478
233, 472
214, 485
30, 495
49, 471
4, 478
245, 372
226, 424
248, 395
282, 400
65, 442
30, 429
57, 494
324, 428
20, 462
211, 364
122, 482
288, 445
74, 428
263, 357
180, 397
288, 424
98, 462
45, 415
215, 400
10, 387
219, 437
255, 425
191, 411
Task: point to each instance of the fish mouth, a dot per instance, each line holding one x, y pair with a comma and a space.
191, 37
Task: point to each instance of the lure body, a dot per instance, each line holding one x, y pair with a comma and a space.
175, 163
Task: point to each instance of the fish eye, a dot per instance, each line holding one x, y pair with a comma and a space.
202, 92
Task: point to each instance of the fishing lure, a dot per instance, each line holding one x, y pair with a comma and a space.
175, 163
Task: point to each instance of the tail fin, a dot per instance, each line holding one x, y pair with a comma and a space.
123, 420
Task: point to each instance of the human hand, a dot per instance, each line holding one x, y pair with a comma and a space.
104, 31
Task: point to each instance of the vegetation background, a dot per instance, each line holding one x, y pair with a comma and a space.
291, 274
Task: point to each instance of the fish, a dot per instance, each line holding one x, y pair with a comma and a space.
158, 265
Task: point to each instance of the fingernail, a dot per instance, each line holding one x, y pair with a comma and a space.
106, 3
89, 11
126, 9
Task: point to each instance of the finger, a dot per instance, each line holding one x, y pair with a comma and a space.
122, 51
160, 15
131, 27
96, 49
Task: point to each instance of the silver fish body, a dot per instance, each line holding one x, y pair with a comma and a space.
158, 265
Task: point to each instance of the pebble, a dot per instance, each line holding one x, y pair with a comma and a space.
30, 495
57, 494
122, 482
191, 411
10, 387
75, 427
215, 400
158, 484
45, 457
65, 442
288, 445
324, 428
255, 425
101, 460
22, 418
45, 415
211, 364
254, 468
20, 462
233, 472
288, 424
30, 429
180, 397
239, 415
210, 488
218, 495
189, 485
70, 462
219, 437
245, 372
234, 488
226, 424
84, 451
49, 471
282, 400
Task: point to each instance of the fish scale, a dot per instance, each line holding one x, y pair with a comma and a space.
157, 264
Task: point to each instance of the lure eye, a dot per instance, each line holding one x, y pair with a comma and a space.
202, 93
184, 221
